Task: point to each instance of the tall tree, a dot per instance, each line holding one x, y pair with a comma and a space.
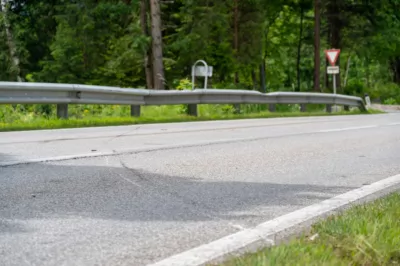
236, 34
266, 42
10, 40
317, 61
157, 46
147, 53
271, 11
335, 22
302, 10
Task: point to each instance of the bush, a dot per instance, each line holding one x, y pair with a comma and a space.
385, 92
390, 101
355, 88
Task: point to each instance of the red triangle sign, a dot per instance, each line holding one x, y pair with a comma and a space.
332, 55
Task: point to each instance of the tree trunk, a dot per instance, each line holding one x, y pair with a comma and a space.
157, 49
262, 77
326, 75
317, 63
263, 65
395, 67
236, 36
347, 72
147, 54
335, 26
254, 78
367, 71
299, 46
10, 41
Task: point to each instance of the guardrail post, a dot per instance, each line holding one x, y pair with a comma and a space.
367, 101
62, 110
135, 110
346, 108
192, 109
362, 107
303, 107
272, 107
236, 108
329, 108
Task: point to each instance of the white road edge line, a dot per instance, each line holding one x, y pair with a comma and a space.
264, 232
160, 148
347, 128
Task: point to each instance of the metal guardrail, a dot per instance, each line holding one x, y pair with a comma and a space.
64, 94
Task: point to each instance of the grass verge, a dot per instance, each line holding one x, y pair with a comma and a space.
37, 123
368, 234
36, 117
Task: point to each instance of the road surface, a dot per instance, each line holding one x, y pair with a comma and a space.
135, 195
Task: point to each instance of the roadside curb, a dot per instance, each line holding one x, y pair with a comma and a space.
279, 229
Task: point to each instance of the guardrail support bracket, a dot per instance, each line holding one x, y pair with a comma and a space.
135, 110
236, 108
329, 108
272, 107
62, 110
303, 107
192, 110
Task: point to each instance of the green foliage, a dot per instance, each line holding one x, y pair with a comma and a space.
184, 84
390, 101
103, 42
385, 91
31, 117
355, 87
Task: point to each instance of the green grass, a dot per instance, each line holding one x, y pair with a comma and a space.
368, 234
23, 117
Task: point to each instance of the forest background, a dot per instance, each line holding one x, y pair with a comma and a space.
264, 45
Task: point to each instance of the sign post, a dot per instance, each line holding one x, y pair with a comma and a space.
333, 55
201, 71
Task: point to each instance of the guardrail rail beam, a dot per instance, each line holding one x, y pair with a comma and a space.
64, 94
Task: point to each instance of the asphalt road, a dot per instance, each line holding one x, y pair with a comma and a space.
173, 187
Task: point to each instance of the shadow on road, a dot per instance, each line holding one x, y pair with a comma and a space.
112, 193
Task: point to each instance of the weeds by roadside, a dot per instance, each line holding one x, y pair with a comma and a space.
368, 234
23, 117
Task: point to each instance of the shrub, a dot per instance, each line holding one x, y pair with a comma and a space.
390, 101
355, 88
